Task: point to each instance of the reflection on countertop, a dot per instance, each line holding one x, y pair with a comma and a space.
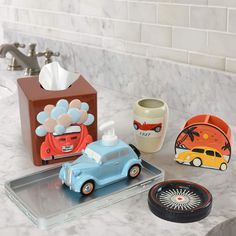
132, 216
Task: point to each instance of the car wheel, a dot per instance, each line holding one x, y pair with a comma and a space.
134, 171
179, 201
223, 166
196, 162
44, 162
135, 150
87, 188
157, 129
136, 126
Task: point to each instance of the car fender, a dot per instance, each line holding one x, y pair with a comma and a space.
196, 155
81, 180
45, 151
62, 171
192, 156
87, 140
182, 156
224, 162
129, 164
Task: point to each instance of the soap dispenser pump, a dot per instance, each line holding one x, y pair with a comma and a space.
109, 137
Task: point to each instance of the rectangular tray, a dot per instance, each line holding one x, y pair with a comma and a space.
46, 202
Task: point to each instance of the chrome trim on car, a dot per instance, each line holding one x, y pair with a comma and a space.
67, 155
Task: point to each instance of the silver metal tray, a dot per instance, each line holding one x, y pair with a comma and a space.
46, 202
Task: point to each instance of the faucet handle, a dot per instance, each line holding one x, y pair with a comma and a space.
32, 46
48, 54
32, 49
19, 45
14, 64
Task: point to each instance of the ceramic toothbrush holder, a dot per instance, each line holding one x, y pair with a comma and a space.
150, 124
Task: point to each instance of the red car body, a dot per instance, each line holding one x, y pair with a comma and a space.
147, 127
65, 145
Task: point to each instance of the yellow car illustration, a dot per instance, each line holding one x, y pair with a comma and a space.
202, 156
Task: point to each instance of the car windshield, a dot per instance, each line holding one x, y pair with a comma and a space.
92, 154
198, 150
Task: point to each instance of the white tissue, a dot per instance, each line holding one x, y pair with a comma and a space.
53, 77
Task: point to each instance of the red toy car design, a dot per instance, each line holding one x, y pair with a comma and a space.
68, 144
147, 127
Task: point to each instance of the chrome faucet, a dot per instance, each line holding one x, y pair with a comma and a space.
13, 66
29, 62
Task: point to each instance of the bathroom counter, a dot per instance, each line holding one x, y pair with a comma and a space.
129, 217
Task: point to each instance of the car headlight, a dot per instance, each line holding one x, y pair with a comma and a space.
65, 165
77, 172
188, 157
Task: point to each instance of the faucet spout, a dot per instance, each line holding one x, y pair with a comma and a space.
30, 63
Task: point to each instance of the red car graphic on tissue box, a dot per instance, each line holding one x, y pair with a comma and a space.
71, 143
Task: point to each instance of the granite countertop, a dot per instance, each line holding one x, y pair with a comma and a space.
129, 217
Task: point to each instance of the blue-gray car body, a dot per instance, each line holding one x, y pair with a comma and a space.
101, 164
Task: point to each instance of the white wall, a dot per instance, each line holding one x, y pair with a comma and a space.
197, 32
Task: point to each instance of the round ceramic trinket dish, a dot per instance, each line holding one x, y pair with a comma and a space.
180, 201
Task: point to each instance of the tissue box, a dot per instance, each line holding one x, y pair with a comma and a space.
65, 146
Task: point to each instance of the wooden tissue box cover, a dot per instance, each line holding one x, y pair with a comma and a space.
32, 100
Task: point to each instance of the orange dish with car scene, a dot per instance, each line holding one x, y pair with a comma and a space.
202, 156
205, 141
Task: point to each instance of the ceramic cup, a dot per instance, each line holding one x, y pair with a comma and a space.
150, 124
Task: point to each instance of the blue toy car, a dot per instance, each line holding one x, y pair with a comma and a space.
101, 165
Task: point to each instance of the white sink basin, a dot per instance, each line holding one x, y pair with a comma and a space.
8, 82
226, 228
7, 87
4, 92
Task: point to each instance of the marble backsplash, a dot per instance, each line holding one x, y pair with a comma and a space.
185, 88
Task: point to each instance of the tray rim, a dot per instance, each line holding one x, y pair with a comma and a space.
40, 220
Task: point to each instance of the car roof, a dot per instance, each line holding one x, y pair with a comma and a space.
103, 150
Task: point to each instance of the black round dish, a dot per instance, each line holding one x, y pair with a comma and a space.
179, 201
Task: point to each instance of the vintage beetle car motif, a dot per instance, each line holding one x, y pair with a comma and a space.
205, 156
68, 144
101, 165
